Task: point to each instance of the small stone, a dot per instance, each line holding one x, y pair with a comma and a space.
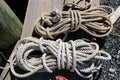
112, 70
112, 75
119, 52
118, 56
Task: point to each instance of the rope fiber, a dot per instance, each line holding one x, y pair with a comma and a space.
77, 56
94, 21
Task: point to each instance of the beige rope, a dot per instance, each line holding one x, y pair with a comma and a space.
94, 21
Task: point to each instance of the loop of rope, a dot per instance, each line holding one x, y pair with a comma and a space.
78, 56
94, 21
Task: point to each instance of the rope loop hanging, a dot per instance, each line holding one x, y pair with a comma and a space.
94, 21
77, 56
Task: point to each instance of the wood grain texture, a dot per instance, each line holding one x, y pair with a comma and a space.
95, 3
68, 1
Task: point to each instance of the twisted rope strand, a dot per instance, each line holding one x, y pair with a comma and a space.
94, 21
77, 56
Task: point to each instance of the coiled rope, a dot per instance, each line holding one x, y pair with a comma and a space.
78, 56
94, 21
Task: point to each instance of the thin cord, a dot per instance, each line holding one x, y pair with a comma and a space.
94, 21
77, 56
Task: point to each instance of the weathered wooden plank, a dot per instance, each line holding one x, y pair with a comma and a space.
68, 1
95, 3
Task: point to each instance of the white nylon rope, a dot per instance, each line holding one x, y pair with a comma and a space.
77, 56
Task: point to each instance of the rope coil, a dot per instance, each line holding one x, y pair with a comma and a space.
77, 56
94, 21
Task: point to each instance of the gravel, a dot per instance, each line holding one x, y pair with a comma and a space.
111, 69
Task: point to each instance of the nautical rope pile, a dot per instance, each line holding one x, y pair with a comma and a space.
94, 21
41, 55
77, 56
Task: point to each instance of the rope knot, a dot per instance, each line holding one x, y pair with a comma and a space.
55, 18
75, 20
64, 58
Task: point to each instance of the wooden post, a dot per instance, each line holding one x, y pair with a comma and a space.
35, 8
10, 26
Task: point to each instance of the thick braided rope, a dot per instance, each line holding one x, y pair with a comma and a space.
78, 56
94, 21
